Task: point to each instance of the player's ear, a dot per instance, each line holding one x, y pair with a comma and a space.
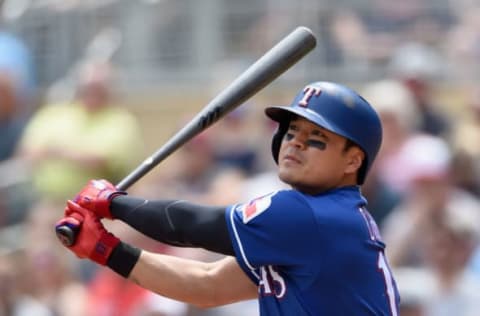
355, 157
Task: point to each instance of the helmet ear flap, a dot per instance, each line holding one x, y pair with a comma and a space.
277, 139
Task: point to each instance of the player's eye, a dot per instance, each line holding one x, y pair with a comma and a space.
310, 142
289, 136
316, 144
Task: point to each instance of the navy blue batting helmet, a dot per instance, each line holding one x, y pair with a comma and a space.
337, 109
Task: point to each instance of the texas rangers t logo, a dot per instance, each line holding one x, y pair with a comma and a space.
308, 92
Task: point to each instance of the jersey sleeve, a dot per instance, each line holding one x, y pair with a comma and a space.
275, 229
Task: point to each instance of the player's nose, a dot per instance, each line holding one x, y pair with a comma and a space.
296, 141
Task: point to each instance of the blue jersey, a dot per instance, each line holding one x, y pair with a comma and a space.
313, 255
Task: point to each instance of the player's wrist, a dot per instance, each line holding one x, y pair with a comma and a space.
123, 258
104, 248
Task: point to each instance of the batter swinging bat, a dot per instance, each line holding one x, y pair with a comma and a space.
276, 61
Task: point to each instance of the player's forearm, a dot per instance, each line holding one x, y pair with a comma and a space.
180, 279
177, 223
198, 283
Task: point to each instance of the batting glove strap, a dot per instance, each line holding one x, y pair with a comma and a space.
104, 248
123, 259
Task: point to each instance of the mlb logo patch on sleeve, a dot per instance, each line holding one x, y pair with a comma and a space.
255, 207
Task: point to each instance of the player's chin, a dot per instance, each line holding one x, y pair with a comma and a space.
289, 175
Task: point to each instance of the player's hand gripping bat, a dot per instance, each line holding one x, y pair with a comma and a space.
271, 65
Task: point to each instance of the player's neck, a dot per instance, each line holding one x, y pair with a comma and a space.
315, 190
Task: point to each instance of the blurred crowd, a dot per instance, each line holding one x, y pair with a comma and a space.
423, 190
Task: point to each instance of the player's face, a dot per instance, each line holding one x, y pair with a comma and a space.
313, 159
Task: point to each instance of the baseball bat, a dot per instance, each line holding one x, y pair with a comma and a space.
267, 68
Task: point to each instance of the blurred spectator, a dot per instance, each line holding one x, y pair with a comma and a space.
226, 186
448, 249
426, 164
234, 141
16, 91
47, 279
112, 136
193, 168
395, 106
418, 67
17, 100
7, 285
414, 291
444, 286
37, 278
465, 136
347, 38
16, 59
12, 121
462, 43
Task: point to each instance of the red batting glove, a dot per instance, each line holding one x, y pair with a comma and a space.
93, 241
97, 196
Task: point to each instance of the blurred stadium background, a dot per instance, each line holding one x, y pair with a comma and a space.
169, 58
160, 45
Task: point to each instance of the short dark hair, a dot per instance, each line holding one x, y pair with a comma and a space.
349, 144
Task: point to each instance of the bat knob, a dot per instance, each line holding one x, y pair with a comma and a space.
66, 234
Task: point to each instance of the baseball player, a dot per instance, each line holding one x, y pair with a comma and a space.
311, 250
